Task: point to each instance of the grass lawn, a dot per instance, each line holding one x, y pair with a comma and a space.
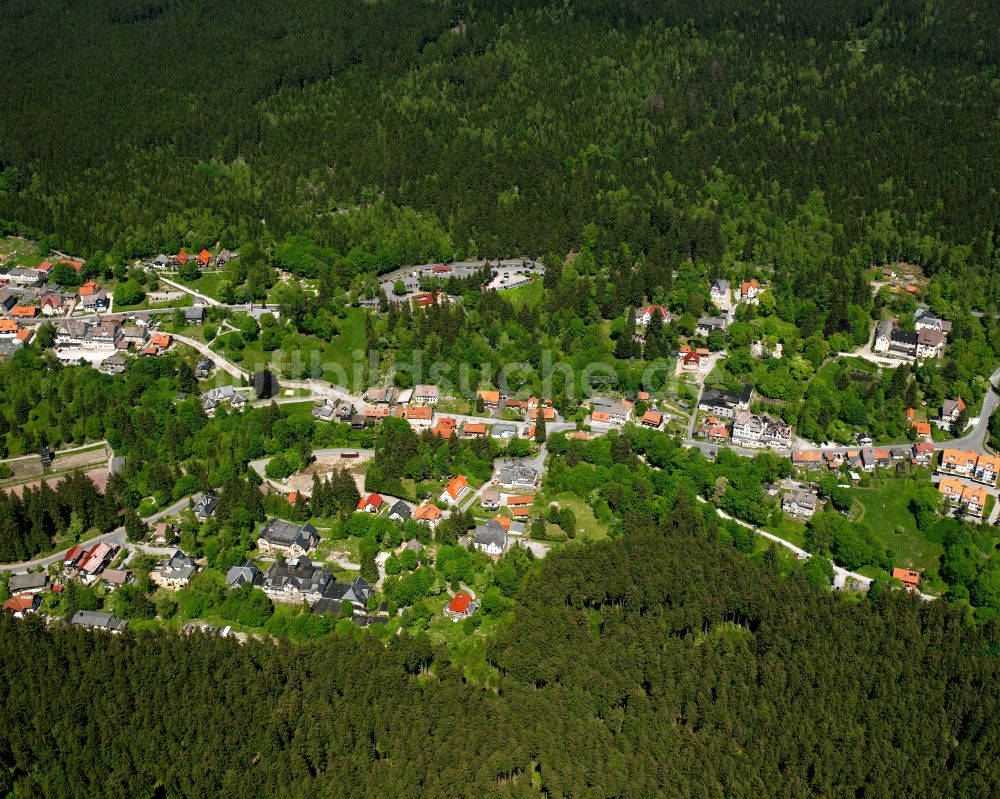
789, 529
467, 650
588, 528
207, 284
335, 359
528, 294
460, 406
885, 509
184, 302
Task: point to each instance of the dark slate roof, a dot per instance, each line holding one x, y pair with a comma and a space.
285, 534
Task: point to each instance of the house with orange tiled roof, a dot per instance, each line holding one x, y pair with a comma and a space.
24, 312
203, 257
23, 604
428, 514
420, 417
520, 501
971, 499
750, 292
957, 462
182, 257
491, 399
457, 488
986, 469
923, 429
161, 341
653, 419
810, 458
370, 504
8, 327
444, 427
462, 605
907, 577
473, 429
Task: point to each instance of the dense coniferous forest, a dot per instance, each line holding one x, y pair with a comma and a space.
655, 663
820, 138
660, 142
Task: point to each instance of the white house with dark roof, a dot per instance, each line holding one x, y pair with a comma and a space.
276, 536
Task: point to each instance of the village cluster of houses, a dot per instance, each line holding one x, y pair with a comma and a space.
29, 292
417, 407
617, 412
866, 458
203, 259
90, 564
113, 337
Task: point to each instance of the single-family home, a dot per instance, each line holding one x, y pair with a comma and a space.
907, 577
426, 395
116, 578
400, 511
490, 398
708, 324
175, 572
420, 417
370, 504
503, 431
725, 403
194, 315
490, 499
719, 292
461, 606
750, 292
800, 504
457, 488
204, 368
428, 514
516, 476
98, 620
444, 427
924, 318
653, 419
22, 604
204, 506
286, 538
381, 396
244, 574
490, 538
294, 581
950, 410
646, 315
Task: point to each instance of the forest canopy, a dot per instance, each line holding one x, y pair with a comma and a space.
654, 660
411, 131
